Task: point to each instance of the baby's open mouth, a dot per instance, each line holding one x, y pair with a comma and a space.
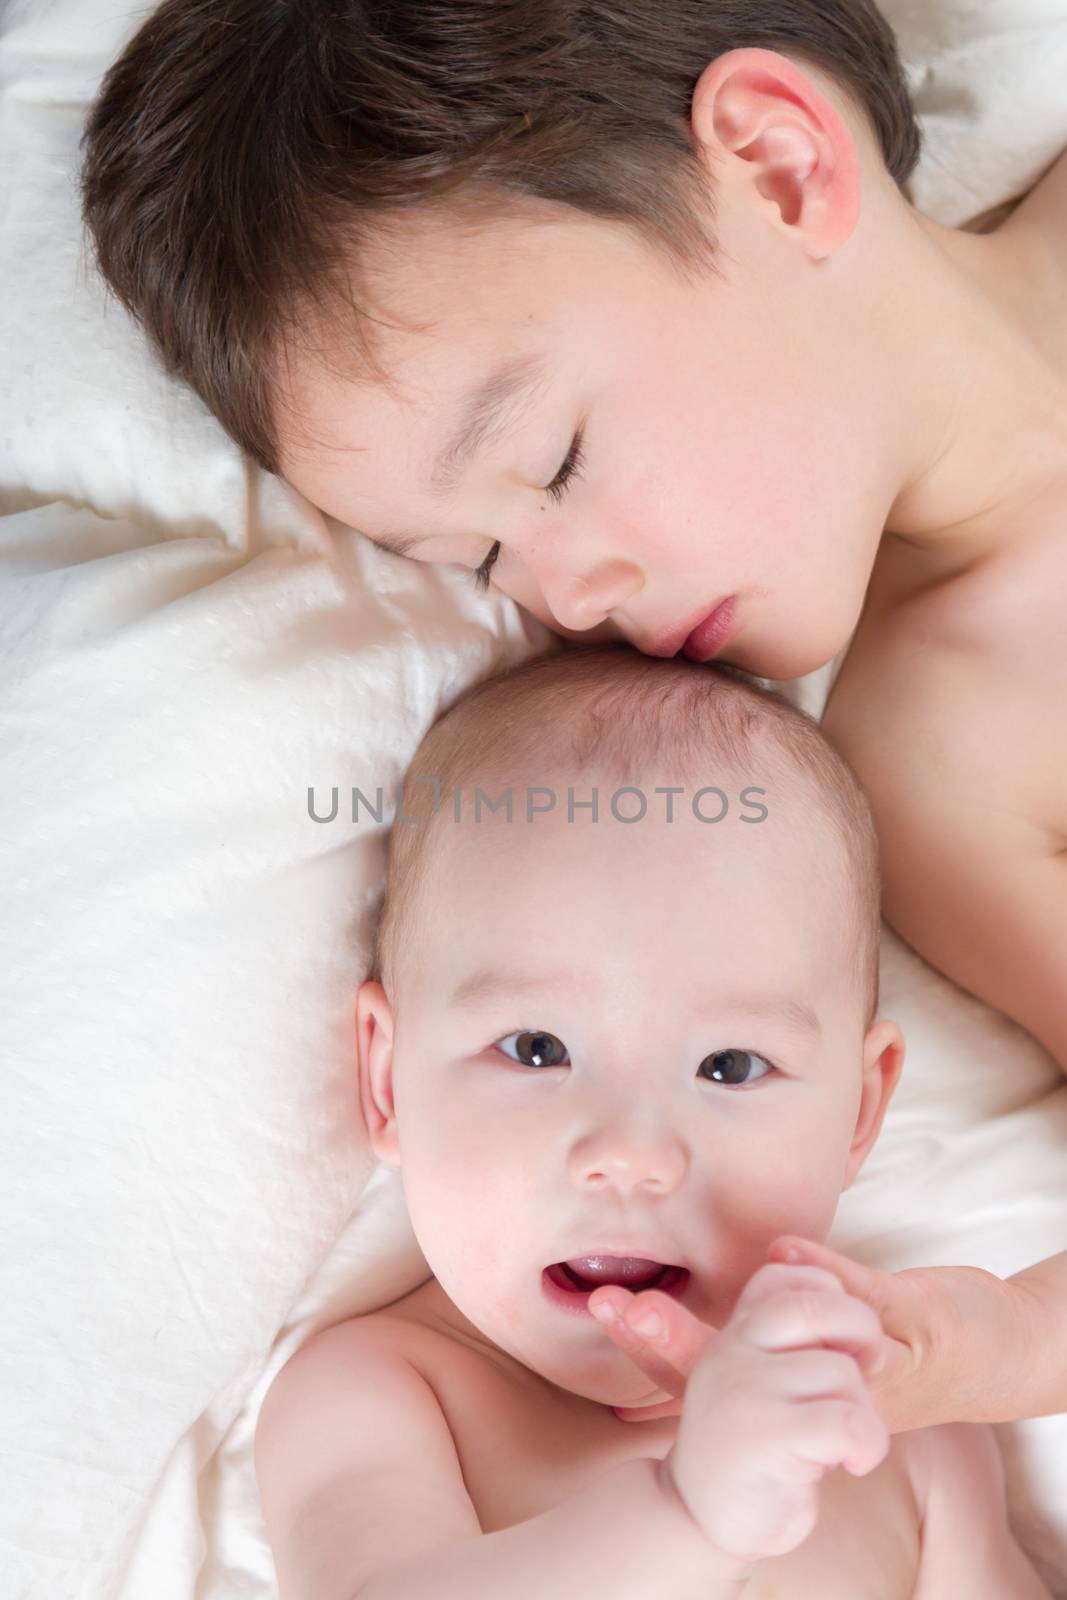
578, 1278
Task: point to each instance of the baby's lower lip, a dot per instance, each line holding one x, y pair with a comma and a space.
569, 1298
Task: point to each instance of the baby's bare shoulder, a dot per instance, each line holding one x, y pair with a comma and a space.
353, 1455
967, 1543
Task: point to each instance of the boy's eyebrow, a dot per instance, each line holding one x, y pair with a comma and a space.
489, 984
513, 380
485, 410
400, 544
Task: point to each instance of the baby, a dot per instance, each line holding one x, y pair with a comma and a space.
621, 1032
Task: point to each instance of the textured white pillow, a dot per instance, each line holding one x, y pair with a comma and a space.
986, 77
86, 411
181, 944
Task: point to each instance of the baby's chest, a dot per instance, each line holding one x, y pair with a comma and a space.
866, 1544
526, 1448
522, 1454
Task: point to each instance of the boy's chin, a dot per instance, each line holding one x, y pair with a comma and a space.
783, 660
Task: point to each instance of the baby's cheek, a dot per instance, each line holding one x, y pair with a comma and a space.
468, 1201
512, 1308
787, 1195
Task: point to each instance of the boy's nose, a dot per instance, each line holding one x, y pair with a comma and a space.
583, 599
628, 1158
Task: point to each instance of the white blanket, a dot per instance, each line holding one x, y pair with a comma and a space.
187, 647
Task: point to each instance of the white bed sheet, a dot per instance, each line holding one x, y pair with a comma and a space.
186, 646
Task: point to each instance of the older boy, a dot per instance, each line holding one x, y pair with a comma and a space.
625, 1038
625, 303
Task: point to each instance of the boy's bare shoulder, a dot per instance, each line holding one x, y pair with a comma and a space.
948, 707
967, 1543
938, 669
355, 1461
1043, 212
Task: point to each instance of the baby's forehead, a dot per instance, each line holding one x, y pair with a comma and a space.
593, 781
638, 911
733, 823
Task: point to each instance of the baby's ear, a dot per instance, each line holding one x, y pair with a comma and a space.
374, 1055
883, 1058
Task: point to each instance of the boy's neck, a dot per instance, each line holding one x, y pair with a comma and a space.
984, 382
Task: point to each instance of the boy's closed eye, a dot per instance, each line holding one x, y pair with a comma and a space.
570, 469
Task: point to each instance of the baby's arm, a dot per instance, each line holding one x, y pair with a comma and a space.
363, 1496
968, 1547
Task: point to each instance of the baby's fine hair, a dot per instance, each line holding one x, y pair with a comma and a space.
243, 156
600, 708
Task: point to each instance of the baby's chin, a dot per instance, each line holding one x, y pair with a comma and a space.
629, 1396
609, 1379
600, 1371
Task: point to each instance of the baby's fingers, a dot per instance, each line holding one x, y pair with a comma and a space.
653, 1327
659, 1364
799, 1319
776, 1276
832, 1433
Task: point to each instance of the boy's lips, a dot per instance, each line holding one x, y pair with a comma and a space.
705, 633
709, 636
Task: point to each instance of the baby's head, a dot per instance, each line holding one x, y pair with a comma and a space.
617, 1033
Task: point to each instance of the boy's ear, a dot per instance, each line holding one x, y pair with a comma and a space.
883, 1057
374, 1055
766, 124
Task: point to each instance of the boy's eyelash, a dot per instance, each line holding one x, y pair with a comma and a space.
570, 470
481, 574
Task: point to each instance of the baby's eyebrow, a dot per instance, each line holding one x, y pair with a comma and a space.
488, 984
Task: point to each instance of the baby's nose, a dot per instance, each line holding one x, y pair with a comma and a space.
628, 1158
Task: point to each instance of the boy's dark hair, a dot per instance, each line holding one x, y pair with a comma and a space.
240, 151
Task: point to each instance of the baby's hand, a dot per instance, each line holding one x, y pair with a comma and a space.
774, 1402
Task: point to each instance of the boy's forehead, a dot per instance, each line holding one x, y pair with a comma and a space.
413, 443
385, 457
462, 326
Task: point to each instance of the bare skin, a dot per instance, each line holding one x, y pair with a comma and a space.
897, 376
905, 1531
909, 384
949, 702
525, 1445
469, 1439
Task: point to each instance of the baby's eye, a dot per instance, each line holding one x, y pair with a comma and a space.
535, 1049
733, 1067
